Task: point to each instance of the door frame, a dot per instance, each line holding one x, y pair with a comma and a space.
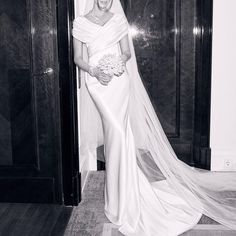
68, 100
68, 96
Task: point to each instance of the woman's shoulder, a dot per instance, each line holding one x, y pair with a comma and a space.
80, 22
78, 19
80, 29
119, 16
120, 19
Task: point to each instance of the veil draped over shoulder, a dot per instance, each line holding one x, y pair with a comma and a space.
213, 193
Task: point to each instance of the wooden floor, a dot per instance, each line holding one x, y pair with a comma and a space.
22, 219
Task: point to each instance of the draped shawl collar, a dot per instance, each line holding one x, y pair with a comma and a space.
98, 37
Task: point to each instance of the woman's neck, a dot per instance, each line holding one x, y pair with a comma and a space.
97, 12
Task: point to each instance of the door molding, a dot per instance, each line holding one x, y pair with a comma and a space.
202, 151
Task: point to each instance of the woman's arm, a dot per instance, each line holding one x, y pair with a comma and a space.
125, 50
93, 71
78, 56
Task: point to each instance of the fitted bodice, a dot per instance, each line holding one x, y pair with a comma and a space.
94, 58
100, 39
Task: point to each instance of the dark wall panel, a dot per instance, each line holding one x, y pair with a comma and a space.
30, 137
156, 43
17, 127
165, 48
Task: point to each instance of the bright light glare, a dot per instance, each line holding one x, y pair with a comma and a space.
134, 31
196, 30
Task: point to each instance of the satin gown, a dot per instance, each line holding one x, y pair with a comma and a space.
138, 207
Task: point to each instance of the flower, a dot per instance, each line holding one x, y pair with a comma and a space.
111, 64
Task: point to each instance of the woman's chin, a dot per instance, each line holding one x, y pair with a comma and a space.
104, 9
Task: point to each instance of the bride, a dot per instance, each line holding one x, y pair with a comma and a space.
116, 111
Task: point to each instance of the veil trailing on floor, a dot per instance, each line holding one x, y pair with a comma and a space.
213, 193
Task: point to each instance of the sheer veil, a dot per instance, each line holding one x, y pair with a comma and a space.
212, 193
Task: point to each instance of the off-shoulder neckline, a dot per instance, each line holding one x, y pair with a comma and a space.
98, 24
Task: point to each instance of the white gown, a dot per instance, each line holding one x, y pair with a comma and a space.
139, 207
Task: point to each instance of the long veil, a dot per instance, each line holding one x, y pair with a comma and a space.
213, 193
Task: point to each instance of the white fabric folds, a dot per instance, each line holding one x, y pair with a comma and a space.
168, 207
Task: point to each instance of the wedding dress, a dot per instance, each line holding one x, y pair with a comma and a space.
136, 150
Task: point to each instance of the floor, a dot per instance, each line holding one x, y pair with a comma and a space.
23, 219
87, 219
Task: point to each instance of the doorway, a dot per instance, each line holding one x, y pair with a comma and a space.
176, 52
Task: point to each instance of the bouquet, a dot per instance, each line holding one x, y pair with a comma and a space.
111, 64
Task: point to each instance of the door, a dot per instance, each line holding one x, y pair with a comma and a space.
166, 62
172, 40
30, 144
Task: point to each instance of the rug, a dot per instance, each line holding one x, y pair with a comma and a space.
199, 230
88, 218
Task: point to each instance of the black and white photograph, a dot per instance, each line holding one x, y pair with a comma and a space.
117, 118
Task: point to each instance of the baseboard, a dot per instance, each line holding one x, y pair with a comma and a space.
27, 190
223, 161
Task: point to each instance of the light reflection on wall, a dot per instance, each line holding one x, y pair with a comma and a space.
148, 34
140, 35
135, 31
196, 30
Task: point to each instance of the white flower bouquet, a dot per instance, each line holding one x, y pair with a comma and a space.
111, 64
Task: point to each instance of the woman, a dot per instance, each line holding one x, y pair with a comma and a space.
117, 112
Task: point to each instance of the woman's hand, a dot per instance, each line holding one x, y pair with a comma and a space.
103, 78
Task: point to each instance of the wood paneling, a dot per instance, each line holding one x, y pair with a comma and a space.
30, 167
15, 94
175, 65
